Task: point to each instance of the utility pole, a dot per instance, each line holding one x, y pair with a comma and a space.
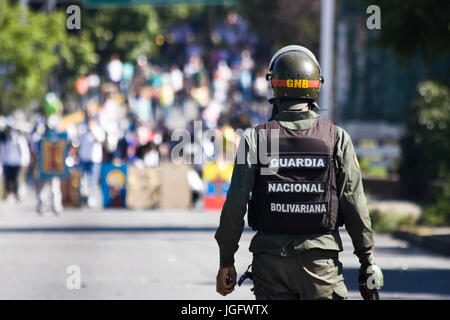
326, 57
23, 9
49, 5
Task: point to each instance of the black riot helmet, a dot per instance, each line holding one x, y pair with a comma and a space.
294, 73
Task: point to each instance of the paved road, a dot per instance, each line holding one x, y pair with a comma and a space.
165, 255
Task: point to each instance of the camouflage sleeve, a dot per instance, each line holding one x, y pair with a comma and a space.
352, 201
232, 217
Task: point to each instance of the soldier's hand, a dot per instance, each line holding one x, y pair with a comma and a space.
222, 287
370, 280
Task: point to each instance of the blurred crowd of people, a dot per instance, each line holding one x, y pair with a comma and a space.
128, 112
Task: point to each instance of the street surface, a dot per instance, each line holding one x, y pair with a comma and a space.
125, 254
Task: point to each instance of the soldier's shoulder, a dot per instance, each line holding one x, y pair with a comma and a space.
251, 132
262, 125
341, 133
338, 129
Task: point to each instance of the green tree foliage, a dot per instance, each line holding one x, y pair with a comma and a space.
32, 44
127, 32
410, 28
284, 22
28, 52
389, 221
131, 32
38, 54
78, 55
426, 151
420, 29
438, 214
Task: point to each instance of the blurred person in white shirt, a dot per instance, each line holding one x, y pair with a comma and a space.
109, 118
90, 154
245, 74
176, 76
221, 82
114, 69
14, 154
260, 86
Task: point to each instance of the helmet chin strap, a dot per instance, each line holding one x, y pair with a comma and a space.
274, 102
314, 106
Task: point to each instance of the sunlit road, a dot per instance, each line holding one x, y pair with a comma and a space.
166, 255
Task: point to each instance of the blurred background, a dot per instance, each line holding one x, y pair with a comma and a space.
92, 91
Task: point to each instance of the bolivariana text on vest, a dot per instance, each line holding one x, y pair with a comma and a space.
298, 208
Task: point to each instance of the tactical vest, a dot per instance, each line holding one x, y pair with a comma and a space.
295, 188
